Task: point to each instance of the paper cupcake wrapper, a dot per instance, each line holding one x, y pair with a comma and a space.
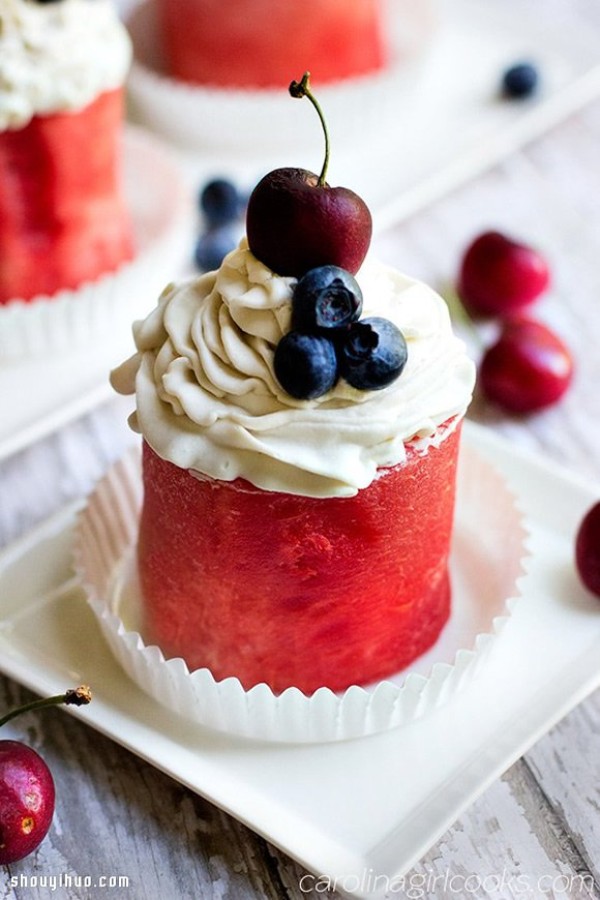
161, 211
487, 562
263, 121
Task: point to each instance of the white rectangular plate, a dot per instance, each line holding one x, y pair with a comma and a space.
343, 809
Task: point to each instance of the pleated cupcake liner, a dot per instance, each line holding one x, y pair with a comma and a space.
487, 565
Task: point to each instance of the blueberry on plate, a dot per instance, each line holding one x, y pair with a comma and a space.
220, 202
305, 365
520, 80
212, 247
326, 297
372, 354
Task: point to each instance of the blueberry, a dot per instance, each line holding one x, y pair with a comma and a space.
220, 202
326, 297
212, 247
520, 80
305, 365
372, 354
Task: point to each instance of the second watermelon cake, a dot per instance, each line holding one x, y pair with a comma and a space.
63, 218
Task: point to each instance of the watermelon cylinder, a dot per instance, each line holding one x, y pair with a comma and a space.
299, 591
261, 43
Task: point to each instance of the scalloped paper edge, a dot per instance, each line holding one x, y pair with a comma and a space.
107, 531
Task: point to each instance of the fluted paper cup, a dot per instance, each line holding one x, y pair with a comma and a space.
487, 563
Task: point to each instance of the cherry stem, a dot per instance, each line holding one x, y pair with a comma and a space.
76, 697
301, 89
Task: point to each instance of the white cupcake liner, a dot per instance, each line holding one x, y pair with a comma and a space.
488, 551
260, 121
159, 203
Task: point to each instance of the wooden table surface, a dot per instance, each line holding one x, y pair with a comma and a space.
536, 831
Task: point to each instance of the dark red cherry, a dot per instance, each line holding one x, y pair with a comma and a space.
587, 550
296, 222
499, 276
26, 800
27, 792
527, 369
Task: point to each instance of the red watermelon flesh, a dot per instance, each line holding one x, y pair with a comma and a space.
262, 43
289, 590
63, 220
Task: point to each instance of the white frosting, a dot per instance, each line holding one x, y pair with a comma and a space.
58, 56
208, 401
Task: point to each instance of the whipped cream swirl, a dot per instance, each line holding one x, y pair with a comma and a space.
57, 57
208, 401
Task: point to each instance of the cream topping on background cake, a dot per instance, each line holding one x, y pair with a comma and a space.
57, 57
207, 398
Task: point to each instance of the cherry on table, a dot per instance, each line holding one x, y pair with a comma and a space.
27, 792
499, 275
27, 798
587, 549
527, 369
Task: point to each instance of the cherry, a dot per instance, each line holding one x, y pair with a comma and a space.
27, 793
499, 275
527, 369
26, 800
587, 550
296, 222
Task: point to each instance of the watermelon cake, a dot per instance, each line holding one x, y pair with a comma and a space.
63, 219
294, 542
301, 411
258, 42
299, 590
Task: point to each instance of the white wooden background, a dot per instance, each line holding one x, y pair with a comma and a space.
541, 820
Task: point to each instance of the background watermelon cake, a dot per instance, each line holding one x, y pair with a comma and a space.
258, 42
63, 220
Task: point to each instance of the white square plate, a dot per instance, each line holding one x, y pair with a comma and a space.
364, 811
